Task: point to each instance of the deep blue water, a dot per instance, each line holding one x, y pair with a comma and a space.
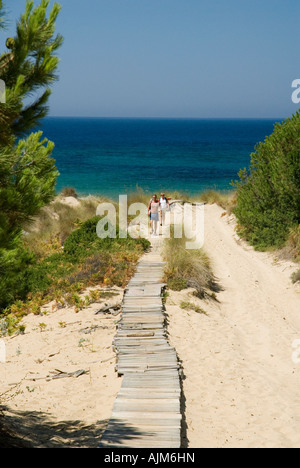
113, 156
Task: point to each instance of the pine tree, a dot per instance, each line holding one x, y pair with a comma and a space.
27, 171
28, 69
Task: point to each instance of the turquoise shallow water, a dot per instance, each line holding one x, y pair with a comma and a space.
113, 156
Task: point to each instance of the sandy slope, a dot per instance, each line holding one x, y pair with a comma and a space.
241, 386
69, 411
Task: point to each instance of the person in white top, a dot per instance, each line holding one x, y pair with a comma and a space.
164, 205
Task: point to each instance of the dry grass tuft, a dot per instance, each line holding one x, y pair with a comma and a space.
56, 221
225, 199
188, 268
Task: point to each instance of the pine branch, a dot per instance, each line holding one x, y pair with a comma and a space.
30, 66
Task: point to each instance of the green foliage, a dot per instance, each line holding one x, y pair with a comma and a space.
28, 177
13, 273
84, 241
27, 172
85, 260
268, 195
28, 69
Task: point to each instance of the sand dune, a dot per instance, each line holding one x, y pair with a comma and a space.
241, 386
69, 411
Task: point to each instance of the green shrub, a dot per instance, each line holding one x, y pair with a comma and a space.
85, 260
13, 283
268, 195
84, 241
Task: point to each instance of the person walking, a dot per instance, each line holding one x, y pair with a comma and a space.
164, 205
153, 209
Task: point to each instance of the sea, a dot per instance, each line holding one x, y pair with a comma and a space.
115, 156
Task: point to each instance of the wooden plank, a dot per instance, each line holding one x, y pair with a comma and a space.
156, 375
165, 355
127, 342
142, 318
146, 411
147, 433
123, 429
151, 385
136, 394
137, 444
172, 383
143, 348
152, 405
151, 365
140, 326
154, 383
141, 335
147, 360
157, 420
153, 358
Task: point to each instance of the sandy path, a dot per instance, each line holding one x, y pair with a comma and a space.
241, 386
70, 411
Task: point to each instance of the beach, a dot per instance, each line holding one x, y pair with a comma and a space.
46, 407
240, 383
198, 344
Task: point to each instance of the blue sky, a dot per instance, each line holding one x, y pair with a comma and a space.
175, 58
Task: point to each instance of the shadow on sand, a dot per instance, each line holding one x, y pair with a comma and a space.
37, 430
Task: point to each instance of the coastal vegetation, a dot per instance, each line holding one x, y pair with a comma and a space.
28, 174
225, 199
48, 249
268, 193
85, 261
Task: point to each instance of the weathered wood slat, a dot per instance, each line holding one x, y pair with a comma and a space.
136, 394
146, 412
149, 418
136, 443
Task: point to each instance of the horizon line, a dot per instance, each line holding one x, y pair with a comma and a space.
161, 118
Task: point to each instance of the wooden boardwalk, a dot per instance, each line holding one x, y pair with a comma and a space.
146, 412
